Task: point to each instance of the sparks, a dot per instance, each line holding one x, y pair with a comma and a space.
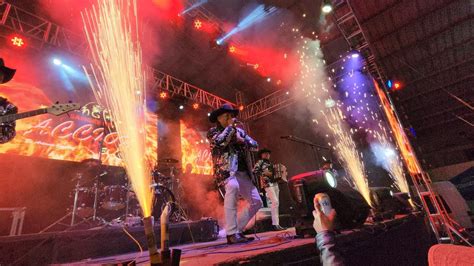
322, 102
118, 82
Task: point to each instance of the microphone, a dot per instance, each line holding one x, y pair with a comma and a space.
236, 122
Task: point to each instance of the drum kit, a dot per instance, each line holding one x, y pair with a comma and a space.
98, 201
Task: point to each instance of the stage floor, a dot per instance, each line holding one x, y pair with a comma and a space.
402, 241
217, 252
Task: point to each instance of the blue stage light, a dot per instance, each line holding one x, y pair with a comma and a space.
255, 16
57, 62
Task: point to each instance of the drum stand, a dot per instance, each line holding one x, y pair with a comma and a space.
73, 213
180, 214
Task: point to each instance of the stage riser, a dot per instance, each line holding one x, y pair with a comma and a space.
74, 246
399, 242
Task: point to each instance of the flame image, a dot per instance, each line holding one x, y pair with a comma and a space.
74, 137
195, 150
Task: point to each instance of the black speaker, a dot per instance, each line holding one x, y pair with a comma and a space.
351, 208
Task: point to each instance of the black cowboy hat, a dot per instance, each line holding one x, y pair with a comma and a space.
262, 151
225, 108
7, 73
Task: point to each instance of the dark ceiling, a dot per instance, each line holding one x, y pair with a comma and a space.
428, 46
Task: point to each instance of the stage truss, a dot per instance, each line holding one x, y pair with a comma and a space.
42, 34
444, 228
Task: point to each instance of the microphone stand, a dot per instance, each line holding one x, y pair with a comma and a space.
314, 147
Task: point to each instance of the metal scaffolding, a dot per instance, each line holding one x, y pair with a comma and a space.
267, 105
444, 228
42, 33
176, 86
349, 26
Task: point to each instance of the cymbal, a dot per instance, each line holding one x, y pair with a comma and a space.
168, 160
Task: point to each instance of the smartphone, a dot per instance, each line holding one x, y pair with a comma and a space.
324, 202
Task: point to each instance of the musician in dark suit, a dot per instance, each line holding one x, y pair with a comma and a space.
264, 170
7, 130
230, 149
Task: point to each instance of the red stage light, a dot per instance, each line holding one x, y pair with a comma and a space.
197, 24
241, 108
397, 85
195, 106
17, 41
163, 95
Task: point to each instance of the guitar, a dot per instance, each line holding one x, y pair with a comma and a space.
7, 122
55, 109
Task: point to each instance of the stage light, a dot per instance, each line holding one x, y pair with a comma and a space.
394, 85
208, 114
181, 107
163, 95
355, 55
17, 41
351, 208
195, 106
241, 108
57, 62
397, 85
331, 179
326, 6
256, 66
232, 49
269, 79
197, 24
387, 203
255, 16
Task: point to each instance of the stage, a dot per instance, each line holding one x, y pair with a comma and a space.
402, 241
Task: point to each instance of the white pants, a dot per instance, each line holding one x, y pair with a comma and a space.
273, 192
239, 184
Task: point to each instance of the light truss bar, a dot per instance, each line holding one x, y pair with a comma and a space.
46, 32
267, 105
176, 86
41, 31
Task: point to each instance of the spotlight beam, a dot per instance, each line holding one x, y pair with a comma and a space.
257, 15
193, 6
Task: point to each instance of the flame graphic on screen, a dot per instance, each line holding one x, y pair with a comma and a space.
195, 150
74, 137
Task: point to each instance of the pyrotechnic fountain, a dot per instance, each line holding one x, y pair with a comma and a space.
390, 161
313, 85
118, 81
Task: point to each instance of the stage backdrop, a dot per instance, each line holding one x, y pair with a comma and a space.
38, 165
